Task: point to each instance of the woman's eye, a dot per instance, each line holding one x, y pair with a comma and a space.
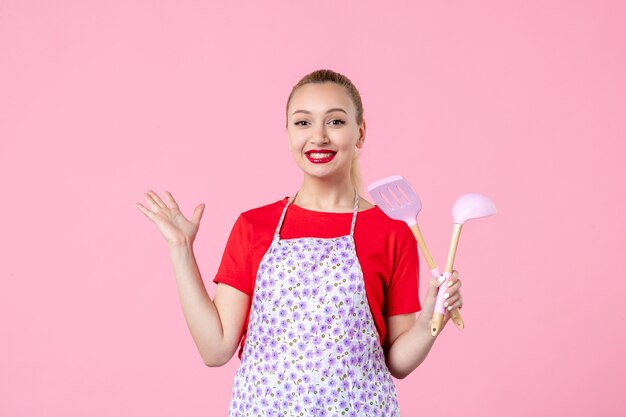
337, 122
300, 123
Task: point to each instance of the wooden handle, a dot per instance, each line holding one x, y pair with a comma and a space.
454, 242
437, 321
457, 319
422, 244
455, 314
436, 324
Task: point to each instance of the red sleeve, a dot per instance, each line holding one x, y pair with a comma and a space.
236, 268
402, 294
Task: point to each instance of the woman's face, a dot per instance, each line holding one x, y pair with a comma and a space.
322, 129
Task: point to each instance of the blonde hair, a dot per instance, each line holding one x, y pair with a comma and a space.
324, 76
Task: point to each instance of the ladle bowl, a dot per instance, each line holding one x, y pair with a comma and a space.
472, 206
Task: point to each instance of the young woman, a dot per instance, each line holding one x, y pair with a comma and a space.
319, 289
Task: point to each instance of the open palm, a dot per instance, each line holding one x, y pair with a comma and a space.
174, 227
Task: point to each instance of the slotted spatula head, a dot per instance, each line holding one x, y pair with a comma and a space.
396, 198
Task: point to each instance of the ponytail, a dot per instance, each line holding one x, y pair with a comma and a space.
355, 174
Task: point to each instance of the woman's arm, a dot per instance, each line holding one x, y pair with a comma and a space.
216, 325
409, 339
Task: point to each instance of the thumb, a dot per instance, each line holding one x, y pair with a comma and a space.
436, 282
434, 285
197, 213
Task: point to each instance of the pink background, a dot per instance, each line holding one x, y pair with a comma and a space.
100, 100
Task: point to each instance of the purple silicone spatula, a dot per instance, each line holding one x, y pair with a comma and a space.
398, 200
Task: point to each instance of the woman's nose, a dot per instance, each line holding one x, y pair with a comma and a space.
318, 134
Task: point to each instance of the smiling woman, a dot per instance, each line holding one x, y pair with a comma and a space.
324, 135
344, 91
321, 306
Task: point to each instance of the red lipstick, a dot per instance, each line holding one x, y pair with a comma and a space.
320, 156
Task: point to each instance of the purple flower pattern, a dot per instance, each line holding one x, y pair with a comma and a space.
312, 348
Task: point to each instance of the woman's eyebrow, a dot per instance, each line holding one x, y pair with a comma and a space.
328, 111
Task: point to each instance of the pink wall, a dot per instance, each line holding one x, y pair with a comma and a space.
99, 101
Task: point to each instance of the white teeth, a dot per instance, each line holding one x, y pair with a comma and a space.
320, 155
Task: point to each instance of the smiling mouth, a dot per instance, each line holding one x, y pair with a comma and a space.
320, 157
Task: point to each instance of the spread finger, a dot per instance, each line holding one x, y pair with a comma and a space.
157, 199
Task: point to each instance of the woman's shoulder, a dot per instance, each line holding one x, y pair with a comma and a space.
264, 212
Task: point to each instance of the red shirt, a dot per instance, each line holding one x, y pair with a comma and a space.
386, 249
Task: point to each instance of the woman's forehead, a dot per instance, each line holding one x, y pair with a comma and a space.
320, 97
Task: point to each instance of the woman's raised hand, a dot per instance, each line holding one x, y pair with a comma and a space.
174, 227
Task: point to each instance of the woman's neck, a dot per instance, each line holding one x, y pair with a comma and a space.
319, 195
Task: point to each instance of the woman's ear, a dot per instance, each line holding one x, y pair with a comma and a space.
361, 139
